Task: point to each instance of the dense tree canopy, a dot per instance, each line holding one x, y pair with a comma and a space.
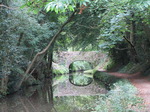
29, 30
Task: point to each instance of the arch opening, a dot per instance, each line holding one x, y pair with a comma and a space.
80, 65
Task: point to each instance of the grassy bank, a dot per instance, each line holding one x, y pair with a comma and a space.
121, 96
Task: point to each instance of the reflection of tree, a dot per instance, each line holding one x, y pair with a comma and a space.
35, 99
74, 103
79, 79
45, 96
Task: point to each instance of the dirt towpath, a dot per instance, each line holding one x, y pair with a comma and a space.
142, 83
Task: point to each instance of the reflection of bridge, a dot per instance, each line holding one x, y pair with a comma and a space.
65, 88
66, 58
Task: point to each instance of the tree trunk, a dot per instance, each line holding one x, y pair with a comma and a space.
41, 54
20, 39
130, 38
3, 86
4, 79
133, 52
49, 62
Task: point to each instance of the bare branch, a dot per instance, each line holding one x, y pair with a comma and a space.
12, 8
128, 41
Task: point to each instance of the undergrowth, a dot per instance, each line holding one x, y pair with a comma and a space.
127, 67
80, 65
59, 69
122, 96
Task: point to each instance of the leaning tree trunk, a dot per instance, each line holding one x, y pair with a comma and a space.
41, 54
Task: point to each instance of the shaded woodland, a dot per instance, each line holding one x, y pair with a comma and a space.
32, 32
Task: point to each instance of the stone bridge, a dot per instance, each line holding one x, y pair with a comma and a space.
67, 57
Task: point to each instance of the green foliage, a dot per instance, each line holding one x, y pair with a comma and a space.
80, 65
73, 103
127, 67
80, 79
110, 64
116, 18
105, 79
59, 69
60, 6
60, 79
3, 92
22, 35
122, 98
103, 23
65, 5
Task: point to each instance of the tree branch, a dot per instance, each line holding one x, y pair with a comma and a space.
128, 41
131, 44
43, 52
1, 5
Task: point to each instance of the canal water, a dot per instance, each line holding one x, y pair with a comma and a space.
74, 92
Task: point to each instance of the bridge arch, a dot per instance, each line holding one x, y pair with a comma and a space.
67, 57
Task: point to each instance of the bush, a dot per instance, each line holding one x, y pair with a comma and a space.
105, 79
121, 97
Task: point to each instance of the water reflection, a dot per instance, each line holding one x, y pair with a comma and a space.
80, 79
33, 99
59, 96
74, 103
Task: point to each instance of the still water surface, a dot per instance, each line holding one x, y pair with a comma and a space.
65, 94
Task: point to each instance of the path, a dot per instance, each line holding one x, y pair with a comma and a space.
141, 83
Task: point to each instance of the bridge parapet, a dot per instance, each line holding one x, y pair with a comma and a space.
67, 57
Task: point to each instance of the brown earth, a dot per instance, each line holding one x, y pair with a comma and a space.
142, 83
